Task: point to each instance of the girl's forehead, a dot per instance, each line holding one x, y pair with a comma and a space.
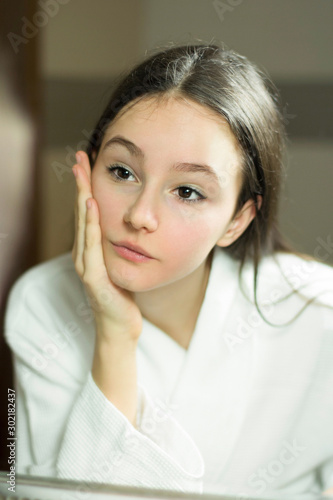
175, 129
172, 111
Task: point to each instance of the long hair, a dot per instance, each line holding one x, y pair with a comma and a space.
233, 87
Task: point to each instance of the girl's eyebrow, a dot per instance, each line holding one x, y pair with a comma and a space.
179, 167
194, 167
132, 148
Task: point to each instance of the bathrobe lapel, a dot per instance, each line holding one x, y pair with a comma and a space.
220, 293
179, 370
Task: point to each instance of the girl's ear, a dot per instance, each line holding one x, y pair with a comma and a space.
240, 222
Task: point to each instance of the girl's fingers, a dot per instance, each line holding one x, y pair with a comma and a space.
74, 249
83, 160
83, 184
93, 258
95, 274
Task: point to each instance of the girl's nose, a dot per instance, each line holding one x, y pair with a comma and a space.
143, 213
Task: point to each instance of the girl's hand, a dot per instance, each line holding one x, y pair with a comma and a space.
116, 314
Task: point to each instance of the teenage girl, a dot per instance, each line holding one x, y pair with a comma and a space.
181, 344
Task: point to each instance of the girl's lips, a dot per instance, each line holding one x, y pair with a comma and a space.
130, 254
132, 246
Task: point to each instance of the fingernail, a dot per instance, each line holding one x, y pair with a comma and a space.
78, 157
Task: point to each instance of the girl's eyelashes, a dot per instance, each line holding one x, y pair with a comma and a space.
185, 193
120, 173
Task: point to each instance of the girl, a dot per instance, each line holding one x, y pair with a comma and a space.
181, 345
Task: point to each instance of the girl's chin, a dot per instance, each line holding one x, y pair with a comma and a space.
131, 280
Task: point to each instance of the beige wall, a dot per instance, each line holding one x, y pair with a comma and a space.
92, 38
99, 38
292, 39
306, 202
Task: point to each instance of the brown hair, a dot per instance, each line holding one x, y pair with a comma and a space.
232, 86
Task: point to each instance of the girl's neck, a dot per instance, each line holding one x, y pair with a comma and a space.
174, 308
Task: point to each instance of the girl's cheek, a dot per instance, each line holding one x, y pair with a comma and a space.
197, 217
192, 229
111, 210
186, 212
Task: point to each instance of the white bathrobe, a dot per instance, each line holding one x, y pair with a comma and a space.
246, 409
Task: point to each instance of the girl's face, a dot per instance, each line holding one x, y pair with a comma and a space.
166, 179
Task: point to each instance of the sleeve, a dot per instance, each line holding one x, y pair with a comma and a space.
67, 428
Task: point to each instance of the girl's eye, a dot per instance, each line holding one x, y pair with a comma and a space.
186, 194
120, 173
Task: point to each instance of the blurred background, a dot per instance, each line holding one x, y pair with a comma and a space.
59, 62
